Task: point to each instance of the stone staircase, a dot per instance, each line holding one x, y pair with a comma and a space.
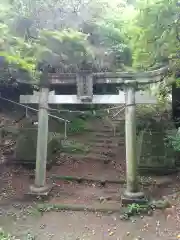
105, 141
104, 138
105, 158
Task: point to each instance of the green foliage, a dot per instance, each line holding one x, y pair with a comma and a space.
178, 82
146, 208
66, 48
147, 115
58, 33
173, 140
76, 126
102, 35
153, 33
4, 235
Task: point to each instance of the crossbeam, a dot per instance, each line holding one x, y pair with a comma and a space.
58, 79
140, 98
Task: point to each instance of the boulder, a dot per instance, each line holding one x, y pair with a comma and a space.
25, 151
154, 155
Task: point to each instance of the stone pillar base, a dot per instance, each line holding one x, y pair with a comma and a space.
40, 191
133, 197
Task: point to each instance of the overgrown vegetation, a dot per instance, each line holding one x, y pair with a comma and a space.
148, 114
173, 140
6, 236
155, 33
127, 212
96, 35
69, 35
143, 209
77, 125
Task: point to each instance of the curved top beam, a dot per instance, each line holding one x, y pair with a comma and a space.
134, 75
109, 77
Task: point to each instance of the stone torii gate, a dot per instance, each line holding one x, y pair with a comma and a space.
84, 82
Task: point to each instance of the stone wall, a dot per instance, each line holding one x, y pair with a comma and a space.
154, 154
25, 150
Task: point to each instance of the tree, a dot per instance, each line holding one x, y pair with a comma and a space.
66, 33
154, 33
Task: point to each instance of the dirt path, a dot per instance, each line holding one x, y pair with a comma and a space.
88, 226
14, 183
82, 225
73, 226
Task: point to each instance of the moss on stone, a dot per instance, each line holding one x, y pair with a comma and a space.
154, 151
26, 144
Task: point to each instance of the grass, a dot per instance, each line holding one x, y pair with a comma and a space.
7, 236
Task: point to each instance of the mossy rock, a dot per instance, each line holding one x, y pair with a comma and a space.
155, 154
26, 142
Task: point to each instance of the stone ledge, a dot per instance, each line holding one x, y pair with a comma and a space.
133, 197
39, 191
126, 200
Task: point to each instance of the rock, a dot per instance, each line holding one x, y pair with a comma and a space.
26, 144
109, 212
150, 212
124, 217
163, 180
111, 233
170, 211
24, 217
101, 199
42, 226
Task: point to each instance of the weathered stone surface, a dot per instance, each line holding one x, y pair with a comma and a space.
40, 191
25, 151
126, 200
154, 153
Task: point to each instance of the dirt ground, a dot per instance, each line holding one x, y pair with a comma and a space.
68, 225
89, 226
18, 215
15, 209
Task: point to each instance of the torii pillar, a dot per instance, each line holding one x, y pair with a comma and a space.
40, 187
132, 193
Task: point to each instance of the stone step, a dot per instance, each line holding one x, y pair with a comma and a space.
87, 157
113, 123
109, 145
108, 141
103, 151
103, 145
103, 130
158, 171
118, 119
107, 135
94, 141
